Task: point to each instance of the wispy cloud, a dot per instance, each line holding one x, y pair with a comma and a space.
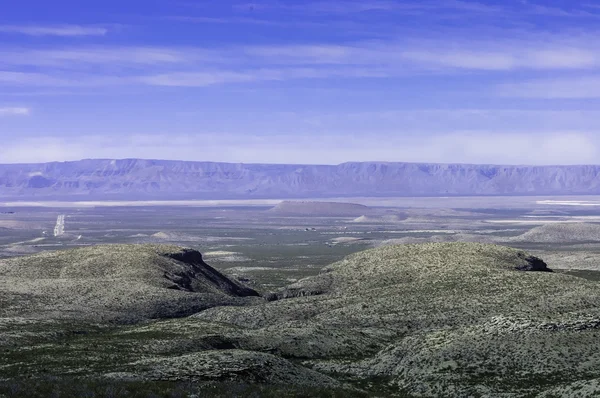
199, 67
354, 6
55, 30
208, 78
580, 87
14, 111
87, 66
484, 54
74, 57
35, 79
519, 56
225, 20
552, 11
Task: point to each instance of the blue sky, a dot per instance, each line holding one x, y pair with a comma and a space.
514, 82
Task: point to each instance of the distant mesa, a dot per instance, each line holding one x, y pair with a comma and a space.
562, 233
319, 209
138, 179
122, 283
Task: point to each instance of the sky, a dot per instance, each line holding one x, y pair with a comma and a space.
307, 82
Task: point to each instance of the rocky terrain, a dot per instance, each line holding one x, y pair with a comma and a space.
109, 283
137, 178
436, 319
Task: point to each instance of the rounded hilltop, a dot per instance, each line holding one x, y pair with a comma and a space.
562, 233
435, 319
452, 263
119, 282
318, 209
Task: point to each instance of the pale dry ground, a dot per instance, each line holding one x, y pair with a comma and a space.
19, 224
140, 203
319, 209
225, 256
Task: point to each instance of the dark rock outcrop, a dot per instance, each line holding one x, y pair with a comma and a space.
122, 283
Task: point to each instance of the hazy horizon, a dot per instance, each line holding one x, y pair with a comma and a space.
310, 164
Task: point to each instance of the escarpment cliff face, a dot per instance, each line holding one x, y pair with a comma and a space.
135, 178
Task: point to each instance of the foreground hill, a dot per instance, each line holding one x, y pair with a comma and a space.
137, 178
114, 283
437, 319
440, 319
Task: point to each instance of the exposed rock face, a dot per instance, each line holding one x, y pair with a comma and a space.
315, 209
201, 273
132, 178
532, 263
119, 282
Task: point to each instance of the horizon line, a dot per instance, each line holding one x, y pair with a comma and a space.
304, 164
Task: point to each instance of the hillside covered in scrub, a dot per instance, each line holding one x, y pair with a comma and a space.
436, 319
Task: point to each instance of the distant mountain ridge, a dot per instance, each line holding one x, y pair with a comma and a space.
142, 178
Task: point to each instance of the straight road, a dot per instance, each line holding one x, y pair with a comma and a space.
59, 229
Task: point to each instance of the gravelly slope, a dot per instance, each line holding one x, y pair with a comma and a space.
114, 282
437, 319
441, 319
135, 177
